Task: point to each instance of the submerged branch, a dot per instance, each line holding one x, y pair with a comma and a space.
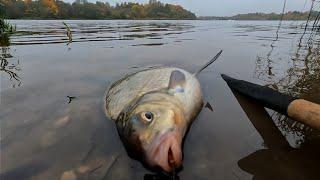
69, 33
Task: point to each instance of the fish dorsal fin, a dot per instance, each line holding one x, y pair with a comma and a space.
177, 80
208, 63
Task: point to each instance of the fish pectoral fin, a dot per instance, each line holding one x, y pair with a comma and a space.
177, 81
208, 106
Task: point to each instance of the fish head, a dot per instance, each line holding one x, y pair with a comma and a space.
153, 129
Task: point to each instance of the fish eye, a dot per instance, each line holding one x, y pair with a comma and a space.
147, 116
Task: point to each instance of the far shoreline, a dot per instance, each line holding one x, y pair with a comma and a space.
154, 20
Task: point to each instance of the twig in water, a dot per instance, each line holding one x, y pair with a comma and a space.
96, 168
5, 68
70, 98
282, 15
93, 146
306, 26
279, 26
172, 164
309, 16
110, 166
69, 33
316, 21
173, 172
277, 37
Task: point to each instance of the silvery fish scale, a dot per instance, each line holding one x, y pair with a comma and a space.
126, 90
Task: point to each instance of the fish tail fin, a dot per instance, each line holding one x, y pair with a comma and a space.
208, 63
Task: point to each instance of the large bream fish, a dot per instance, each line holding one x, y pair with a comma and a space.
153, 109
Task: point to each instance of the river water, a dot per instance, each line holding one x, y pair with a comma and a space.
47, 135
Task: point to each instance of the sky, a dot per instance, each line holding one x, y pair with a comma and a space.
229, 7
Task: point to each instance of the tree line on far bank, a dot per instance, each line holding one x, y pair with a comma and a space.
291, 15
82, 9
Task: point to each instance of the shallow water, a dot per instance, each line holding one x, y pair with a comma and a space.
44, 136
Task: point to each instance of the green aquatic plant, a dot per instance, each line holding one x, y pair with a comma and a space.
69, 33
6, 29
4, 40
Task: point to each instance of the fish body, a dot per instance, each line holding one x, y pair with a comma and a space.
153, 109
171, 95
132, 87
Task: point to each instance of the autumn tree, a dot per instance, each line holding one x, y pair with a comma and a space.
82, 9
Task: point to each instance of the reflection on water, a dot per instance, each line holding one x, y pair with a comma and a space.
46, 32
302, 75
53, 125
280, 160
10, 66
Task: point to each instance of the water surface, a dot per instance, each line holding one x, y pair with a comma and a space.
45, 136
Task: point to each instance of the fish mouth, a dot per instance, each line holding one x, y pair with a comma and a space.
165, 152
